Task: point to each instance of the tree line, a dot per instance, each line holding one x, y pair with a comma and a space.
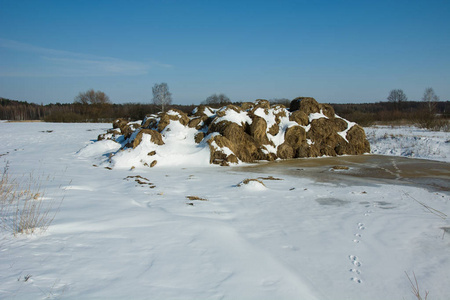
14, 110
95, 106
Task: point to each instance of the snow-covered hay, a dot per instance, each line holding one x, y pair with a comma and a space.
234, 134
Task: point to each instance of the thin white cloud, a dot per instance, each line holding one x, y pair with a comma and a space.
52, 62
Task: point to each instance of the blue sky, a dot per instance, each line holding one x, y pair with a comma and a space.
334, 51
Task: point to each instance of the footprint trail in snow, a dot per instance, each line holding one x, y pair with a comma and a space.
357, 238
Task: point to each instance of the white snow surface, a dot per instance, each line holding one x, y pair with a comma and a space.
409, 141
113, 238
179, 149
231, 115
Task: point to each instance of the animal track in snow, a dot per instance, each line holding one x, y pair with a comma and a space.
356, 279
355, 271
361, 226
354, 260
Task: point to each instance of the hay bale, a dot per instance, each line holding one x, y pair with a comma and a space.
300, 117
295, 136
243, 145
309, 106
325, 137
332, 145
313, 150
172, 115
262, 103
327, 110
114, 132
278, 106
202, 110
220, 141
199, 137
223, 111
178, 115
327, 141
285, 151
126, 131
232, 159
217, 156
303, 151
234, 137
155, 137
320, 129
356, 134
247, 105
125, 128
339, 124
306, 104
195, 122
150, 123
271, 157
218, 126
258, 130
234, 132
164, 120
119, 122
357, 142
274, 129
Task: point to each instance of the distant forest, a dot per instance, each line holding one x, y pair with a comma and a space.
364, 113
13, 110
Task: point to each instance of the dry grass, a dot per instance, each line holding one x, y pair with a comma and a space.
23, 207
248, 180
340, 168
415, 288
192, 198
269, 178
141, 180
436, 212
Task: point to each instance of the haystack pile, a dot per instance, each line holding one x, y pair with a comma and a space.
250, 132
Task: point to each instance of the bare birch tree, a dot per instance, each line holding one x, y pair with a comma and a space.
161, 95
430, 98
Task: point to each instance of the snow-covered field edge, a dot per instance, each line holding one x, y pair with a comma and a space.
409, 141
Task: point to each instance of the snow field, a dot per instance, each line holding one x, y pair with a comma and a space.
120, 236
409, 142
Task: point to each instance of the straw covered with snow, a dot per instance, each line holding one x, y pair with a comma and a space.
233, 135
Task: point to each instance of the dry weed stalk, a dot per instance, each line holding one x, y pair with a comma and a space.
23, 209
436, 212
415, 287
192, 198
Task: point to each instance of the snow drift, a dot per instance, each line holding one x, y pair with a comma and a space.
234, 134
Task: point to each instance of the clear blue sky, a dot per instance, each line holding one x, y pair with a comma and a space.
335, 51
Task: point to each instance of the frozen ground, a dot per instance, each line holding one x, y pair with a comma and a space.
120, 236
